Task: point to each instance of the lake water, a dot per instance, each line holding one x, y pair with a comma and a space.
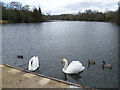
73, 40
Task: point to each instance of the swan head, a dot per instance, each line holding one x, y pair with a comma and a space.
64, 60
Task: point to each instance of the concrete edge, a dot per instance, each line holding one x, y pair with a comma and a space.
58, 80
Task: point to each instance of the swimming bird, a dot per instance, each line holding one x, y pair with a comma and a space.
20, 56
73, 68
90, 62
106, 65
33, 63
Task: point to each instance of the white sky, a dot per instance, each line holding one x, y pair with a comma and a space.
69, 6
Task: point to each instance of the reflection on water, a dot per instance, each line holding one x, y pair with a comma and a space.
75, 76
74, 40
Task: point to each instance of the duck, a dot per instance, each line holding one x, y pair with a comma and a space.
109, 66
20, 56
33, 63
73, 68
90, 62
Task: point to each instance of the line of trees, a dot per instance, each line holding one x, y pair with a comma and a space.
88, 15
119, 13
14, 12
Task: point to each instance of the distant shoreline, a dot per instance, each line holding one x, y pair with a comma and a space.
8, 22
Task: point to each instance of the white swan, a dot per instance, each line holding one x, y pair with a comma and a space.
33, 63
74, 67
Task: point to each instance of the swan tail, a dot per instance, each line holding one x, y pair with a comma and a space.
82, 68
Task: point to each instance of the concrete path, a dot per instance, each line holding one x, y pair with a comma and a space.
16, 78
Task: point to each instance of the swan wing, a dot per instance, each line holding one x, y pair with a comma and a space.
33, 63
37, 61
74, 67
30, 65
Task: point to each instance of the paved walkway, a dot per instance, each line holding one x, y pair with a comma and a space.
16, 78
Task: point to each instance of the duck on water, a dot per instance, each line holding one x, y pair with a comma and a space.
109, 66
20, 56
90, 62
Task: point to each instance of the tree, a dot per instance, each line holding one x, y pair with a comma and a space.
26, 8
40, 11
119, 13
37, 16
16, 5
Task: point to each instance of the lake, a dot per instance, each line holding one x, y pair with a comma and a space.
73, 40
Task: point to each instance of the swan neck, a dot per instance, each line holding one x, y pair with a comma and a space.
65, 64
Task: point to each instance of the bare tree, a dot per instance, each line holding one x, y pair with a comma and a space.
26, 7
16, 5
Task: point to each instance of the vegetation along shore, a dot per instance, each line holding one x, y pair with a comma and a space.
15, 12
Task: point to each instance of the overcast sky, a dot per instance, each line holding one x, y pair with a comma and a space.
70, 6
